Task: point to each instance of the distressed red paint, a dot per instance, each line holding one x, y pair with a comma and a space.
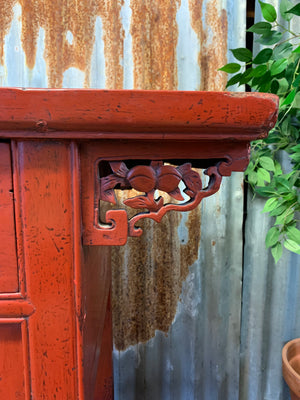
59, 314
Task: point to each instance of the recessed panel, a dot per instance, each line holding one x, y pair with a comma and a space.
8, 256
12, 368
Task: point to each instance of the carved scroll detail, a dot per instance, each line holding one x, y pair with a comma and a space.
166, 178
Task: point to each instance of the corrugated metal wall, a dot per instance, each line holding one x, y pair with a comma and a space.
190, 322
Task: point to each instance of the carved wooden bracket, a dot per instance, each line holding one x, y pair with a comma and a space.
148, 179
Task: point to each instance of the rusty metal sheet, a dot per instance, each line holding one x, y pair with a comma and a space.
199, 292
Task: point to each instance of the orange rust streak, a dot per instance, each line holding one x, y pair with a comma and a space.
6, 17
57, 17
213, 42
154, 39
109, 10
147, 280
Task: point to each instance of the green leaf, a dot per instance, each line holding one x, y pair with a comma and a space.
270, 204
282, 182
259, 71
261, 80
278, 169
235, 79
283, 7
283, 86
297, 50
289, 98
295, 157
231, 68
268, 11
295, 10
269, 39
278, 210
246, 76
290, 71
296, 148
296, 82
260, 28
274, 86
265, 191
267, 163
252, 177
277, 251
242, 54
263, 175
265, 87
296, 102
292, 246
263, 56
272, 236
278, 66
293, 234
283, 50
285, 218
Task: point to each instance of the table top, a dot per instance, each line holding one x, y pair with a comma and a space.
135, 114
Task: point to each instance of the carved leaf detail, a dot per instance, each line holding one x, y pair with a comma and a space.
107, 185
192, 181
176, 194
140, 202
184, 169
108, 195
109, 182
119, 168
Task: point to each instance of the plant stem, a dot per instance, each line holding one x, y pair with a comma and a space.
286, 29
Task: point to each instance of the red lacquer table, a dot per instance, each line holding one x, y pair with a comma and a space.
65, 153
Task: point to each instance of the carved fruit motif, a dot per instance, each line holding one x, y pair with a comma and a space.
147, 179
168, 178
142, 178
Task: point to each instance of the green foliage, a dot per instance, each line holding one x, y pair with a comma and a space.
275, 69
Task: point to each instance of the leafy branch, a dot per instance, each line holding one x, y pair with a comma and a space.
275, 69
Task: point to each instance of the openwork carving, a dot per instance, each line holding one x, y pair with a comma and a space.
158, 176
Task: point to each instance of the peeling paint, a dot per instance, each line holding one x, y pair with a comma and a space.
213, 42
147, 279
154, 40
60, 19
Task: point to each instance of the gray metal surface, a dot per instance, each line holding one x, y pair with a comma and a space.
198, 357
189, 322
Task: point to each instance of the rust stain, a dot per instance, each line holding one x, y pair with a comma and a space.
213, 42
154, 39
6, 17
57, 17
147, 277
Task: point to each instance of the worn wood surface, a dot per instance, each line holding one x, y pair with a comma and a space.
52, 343
13, 351
135, 114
